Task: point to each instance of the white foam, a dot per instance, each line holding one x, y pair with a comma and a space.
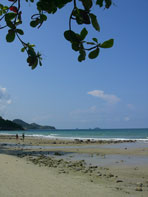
56, 136
7, 134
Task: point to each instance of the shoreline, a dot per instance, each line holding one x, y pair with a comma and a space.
81, 139
70, 139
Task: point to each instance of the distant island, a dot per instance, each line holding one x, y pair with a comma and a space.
9, 125
97, 128
35, 126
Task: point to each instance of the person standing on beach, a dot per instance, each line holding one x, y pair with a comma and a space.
16, 136
23, 136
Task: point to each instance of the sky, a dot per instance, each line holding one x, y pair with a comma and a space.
110, 91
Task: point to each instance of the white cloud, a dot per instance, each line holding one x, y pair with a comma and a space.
130, 106
2, 90
9, 101
127, 118
4, 99
110, 98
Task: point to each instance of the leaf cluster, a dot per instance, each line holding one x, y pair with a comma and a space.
86, 17
81, 14
51, 6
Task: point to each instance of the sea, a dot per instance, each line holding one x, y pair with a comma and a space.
84, 134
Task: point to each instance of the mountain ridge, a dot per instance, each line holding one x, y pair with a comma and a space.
28, 126
9, 125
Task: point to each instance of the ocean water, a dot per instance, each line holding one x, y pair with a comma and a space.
98, 134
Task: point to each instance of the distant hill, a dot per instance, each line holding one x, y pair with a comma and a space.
27, 126
9, 125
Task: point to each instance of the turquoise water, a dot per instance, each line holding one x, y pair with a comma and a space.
106, 134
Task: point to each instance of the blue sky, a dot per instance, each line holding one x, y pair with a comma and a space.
108, 92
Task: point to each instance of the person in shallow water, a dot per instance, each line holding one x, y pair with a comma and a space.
23, 136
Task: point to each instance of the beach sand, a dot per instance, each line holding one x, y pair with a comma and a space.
21, 177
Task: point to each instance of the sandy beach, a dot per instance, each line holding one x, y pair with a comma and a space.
21, 178
122, 169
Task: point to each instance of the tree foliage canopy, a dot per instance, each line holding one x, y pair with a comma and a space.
11, 18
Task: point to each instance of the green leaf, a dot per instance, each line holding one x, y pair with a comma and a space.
108, 3
94, 54
10, 16
82, 16
23, 49
95, 39
31, 52
35, 64
5, 8
82, 55
20, 31
43, 17
99, 2
1, 6
107, 44
32, 61
31, 45
87, 4
94, 22
75, 46
83, 33
69, 35
40, 63
72, 36
10, 36
34, 23
10, 24
1, 12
